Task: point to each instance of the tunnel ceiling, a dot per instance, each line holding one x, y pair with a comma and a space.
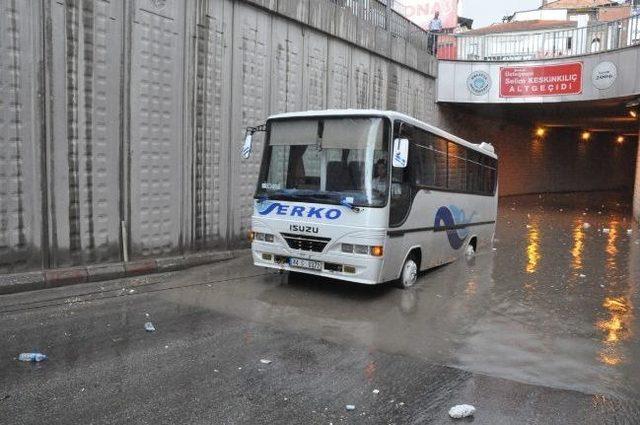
611, 115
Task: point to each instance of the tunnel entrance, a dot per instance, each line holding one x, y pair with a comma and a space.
554, 148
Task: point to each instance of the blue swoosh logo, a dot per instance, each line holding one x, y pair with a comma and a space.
444, 218
269, 208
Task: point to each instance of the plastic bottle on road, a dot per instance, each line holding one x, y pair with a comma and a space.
32, 357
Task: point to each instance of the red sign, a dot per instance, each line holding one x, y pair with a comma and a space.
542, 80
421, 12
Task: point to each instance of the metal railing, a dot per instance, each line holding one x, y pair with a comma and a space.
596, 38
387, 14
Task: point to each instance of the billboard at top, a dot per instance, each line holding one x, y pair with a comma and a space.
421, 11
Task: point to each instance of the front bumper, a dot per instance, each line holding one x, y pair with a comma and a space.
367, 269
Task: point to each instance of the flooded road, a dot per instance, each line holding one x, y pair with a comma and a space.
564, 294
554, 304
545, 322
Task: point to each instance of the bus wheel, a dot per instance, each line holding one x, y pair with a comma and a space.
470, 251
409, 274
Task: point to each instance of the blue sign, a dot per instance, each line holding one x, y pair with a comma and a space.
479, 83
276, 208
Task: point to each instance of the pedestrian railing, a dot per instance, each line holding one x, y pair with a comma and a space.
595, 38
387, 14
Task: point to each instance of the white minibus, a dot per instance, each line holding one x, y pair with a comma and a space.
369, 196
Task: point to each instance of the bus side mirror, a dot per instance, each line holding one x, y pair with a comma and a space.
400, 152
248, 140
248, 143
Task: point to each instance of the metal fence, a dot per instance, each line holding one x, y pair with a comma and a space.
389, 15
595, 38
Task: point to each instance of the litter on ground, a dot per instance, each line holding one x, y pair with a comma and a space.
350, 407
586, 225
376, 391
605, 231
149, 327
32, 357
462, 411
265, 361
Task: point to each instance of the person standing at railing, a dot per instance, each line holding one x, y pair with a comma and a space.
435, 27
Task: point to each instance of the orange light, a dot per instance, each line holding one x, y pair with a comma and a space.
250, 235
540, 132
376, 251
620, 139
586, 136
633, 113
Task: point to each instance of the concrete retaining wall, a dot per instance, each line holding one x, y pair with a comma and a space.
121, 120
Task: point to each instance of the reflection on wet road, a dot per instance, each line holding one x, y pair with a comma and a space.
552, 305
533, 248
578, 244
568, 320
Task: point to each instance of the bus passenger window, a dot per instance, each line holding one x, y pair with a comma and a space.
457, 180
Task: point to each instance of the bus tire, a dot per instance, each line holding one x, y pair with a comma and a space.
470, 251
409, 273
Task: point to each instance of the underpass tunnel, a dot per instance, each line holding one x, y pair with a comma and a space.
551, 148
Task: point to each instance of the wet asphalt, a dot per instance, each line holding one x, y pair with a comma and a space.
543, 329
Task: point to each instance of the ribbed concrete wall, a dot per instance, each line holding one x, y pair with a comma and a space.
128, 114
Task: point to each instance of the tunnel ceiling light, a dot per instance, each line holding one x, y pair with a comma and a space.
586, 135
540, 132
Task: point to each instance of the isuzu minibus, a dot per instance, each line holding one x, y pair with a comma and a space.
369, 196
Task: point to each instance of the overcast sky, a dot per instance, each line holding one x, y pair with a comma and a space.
486, 12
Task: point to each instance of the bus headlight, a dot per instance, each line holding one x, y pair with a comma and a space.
263, 237
376, 250
361, 249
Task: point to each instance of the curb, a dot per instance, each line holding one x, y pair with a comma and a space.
53, 278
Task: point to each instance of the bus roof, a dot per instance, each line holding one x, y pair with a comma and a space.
484, 148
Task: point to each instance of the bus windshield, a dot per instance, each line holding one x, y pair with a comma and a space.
327, 160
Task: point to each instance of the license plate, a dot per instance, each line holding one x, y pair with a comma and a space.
305, 264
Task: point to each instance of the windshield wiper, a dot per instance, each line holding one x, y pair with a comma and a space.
349, 205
